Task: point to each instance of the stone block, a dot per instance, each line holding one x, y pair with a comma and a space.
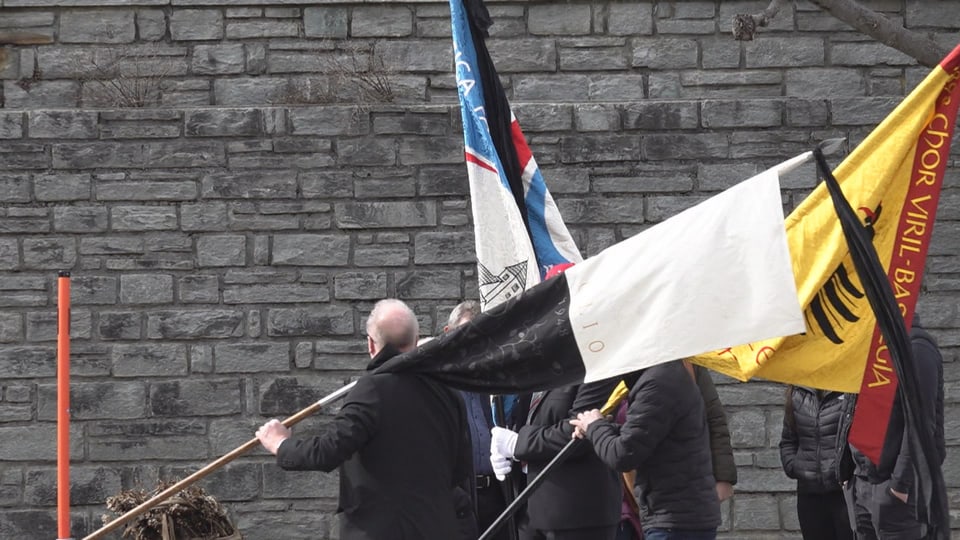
661, 115
80, 219
287, 395
428, 284
251, 357
792, 52
212, 324
119, 325
11, 125
9, 254
592, 147
376, 189
411, 123
27, 362
224, 59
262, 28
33, 443
62, 124
249, 185
562, 20
316, 321
41, 94
143, 218
97, 26
367, 151
696, 146
203, 217
608, 210
233, 482
11, 327
381, 21
222, 123
146, 288
630, 19
377, 256
287, 523
360, 286
565, 88
310, 250
389, 214
15, 188
148, 448
49, 254
743, 428
741, 113
430, 150
221, 250
523, 55
534, 117
136, 156
43, 325
413, 56
93, 401
196, 24
824, 83
756, 512
275, 293
61, 187
862, 111
325, 22
198, 289
139, 360
665, 53
594, 58
616, 87
195, 397
443, 248
151, 24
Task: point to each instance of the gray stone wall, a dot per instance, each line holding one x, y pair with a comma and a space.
227, 241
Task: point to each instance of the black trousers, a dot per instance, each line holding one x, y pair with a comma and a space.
823, 516
881, 516
490, 504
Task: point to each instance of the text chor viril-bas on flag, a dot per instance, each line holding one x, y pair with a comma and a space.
893, 178
518, 230
715, 275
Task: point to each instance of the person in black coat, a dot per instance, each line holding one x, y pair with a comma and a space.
808, 452
400, 442
665, 438
580, 497
884, 494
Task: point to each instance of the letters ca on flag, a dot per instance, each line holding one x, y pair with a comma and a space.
893, 179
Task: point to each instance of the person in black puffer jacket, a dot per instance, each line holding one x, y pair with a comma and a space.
665, 438
808, 452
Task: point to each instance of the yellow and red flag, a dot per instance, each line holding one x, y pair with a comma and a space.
893, 180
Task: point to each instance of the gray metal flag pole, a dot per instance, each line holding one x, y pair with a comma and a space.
239, 451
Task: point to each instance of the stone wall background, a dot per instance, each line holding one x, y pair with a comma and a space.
227, 241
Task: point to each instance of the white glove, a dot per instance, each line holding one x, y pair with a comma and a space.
501, 465
503, 442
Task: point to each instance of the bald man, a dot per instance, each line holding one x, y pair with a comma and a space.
400, 442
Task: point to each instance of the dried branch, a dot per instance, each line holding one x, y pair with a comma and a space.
914, 44
745, 25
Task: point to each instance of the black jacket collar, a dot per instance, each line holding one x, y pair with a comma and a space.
386, 353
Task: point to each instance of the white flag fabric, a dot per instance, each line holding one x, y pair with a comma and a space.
716, 275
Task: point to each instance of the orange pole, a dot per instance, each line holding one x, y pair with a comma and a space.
63, 406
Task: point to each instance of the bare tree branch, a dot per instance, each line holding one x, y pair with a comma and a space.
920, 47
745, 25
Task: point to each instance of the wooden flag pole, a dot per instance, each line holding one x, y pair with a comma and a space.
63, 406
239, 451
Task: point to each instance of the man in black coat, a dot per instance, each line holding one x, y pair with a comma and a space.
580, 498
665, 438
400, 442
884, 495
